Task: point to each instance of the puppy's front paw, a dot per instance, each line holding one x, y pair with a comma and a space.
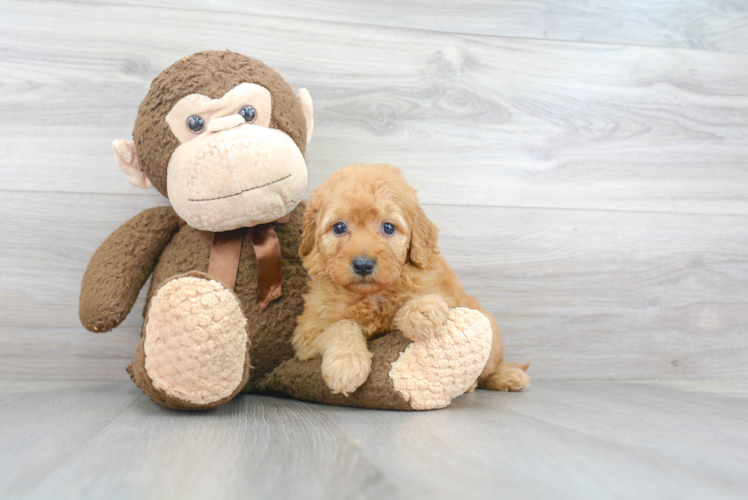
345, 371
419, 319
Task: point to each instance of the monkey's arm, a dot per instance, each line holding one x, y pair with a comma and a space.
121, 265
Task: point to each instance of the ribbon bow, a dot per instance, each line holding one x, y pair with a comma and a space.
225, 252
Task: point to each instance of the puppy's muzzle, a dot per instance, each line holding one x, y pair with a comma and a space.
363, 266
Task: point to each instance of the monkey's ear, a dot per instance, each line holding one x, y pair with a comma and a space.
127, 159
308, 109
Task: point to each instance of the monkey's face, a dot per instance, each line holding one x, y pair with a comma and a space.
223, 136
231, 170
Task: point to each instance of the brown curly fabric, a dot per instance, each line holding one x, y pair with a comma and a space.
303, 379
121, 266
270, 332
211, 73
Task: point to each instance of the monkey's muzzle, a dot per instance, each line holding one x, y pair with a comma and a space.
239, 177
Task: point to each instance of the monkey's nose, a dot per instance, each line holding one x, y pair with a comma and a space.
363, 266
225, 123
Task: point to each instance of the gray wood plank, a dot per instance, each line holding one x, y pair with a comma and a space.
697, 24
44, 424
555, 440
68, 353
581, 294
568, 440
252, 448
473, 120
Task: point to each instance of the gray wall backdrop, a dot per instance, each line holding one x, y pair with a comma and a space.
588, 166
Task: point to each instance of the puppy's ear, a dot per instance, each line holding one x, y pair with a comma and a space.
309, 226
423, 239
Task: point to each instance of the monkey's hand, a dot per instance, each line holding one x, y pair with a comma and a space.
121, 265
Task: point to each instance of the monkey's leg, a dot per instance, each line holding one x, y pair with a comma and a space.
405, 375
194, 352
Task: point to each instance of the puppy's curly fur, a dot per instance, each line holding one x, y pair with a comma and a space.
407, 285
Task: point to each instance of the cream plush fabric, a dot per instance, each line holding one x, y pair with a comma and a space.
196, 340
432, 372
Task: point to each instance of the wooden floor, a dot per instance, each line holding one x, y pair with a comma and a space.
596, 440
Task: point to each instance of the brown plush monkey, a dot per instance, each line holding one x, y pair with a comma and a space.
223, 137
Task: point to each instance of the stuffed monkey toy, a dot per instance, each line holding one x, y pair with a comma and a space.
223, 137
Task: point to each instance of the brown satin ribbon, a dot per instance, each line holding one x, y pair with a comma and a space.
224, 259
224, 256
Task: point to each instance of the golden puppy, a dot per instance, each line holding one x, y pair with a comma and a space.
374, 265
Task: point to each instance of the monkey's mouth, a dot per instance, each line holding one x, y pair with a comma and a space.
242, 191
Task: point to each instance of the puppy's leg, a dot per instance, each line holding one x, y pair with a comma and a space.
346, 360
500, 375
420, 318
507, 376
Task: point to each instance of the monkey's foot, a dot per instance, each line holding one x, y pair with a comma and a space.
432, 372
194, 351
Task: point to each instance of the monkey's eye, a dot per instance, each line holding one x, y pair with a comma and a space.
249, 113
196, 124
339, 228
388, 228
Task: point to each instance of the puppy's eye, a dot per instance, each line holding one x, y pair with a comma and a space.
388, 228
339, 228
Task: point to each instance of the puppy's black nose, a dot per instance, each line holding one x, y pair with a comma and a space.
363, 266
